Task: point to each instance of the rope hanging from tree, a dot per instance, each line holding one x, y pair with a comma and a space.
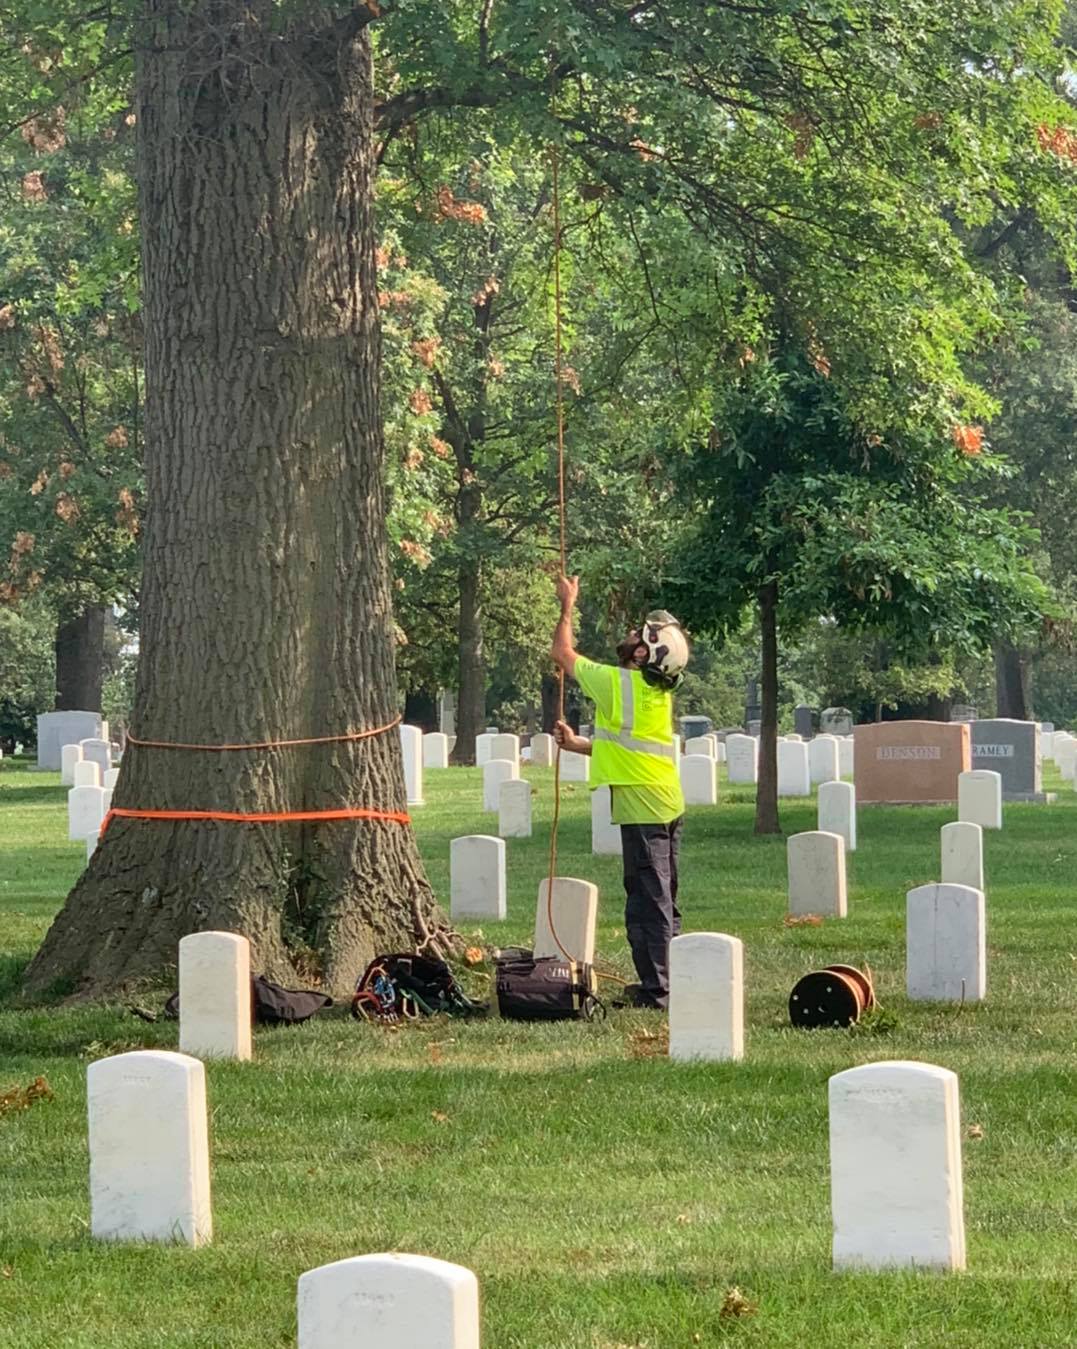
559, 388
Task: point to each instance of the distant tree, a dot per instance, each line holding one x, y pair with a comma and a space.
802, 510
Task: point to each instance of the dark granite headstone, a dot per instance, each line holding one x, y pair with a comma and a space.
805, 722
1011, 749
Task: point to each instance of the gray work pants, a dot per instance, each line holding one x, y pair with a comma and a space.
652, 919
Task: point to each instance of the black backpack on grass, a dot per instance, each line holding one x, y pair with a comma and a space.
403, 987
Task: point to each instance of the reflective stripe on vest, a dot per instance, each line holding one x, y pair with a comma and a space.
628, 741
625, 737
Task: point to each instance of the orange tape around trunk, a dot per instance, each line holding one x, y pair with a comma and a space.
257, 817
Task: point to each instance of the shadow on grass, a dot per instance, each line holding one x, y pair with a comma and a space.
38, 795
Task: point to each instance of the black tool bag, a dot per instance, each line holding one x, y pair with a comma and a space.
545, 988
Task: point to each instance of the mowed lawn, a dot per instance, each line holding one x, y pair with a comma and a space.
606, 1198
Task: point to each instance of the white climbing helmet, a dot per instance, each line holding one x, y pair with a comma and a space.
667, 648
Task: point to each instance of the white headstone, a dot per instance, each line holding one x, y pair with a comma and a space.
605, 835
700, 744
505, 746
817, 874
575, 767
542, 749
823, 759
149, 1148
794, 778
945, 944
574, 912
477, 877
110, 779
979, 798
845, 756
85, 811
87, 773
411, 745
215, 995
1065, 750
482, 748
514, 809
962, 854
742, 758
494, 773
70, 755
56, 729
1047, 743
699, 780
720, 751
404, 1301
895, 1167
706, 996
99, 751
837, 811
794, 738
436, 750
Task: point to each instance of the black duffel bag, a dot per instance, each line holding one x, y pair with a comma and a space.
545, 988
271, 1004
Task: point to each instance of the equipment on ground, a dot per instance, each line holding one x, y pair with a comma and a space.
404, 987
545, 988
835, 996
271, 1004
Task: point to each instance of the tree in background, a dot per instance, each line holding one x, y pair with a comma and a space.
70, 382
802, 510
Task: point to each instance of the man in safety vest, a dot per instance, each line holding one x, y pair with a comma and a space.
633, 754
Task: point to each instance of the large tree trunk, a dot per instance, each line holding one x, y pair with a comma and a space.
80, 660
471, 692
1011, 682
766, 795
266, 599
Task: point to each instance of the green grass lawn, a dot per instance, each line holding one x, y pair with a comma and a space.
605, 1198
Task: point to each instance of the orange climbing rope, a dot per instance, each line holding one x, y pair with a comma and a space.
261, 816
269, 744
559, 386
257, 816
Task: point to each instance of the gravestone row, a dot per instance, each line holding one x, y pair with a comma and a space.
896, 1182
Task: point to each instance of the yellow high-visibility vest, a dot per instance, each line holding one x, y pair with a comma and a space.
633, 747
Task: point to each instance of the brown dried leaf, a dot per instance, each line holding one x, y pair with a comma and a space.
439, 1117
649, 1044
802, 920
22, 1098
736, 1304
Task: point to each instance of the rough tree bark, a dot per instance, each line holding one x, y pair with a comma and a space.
1011, 682
766, 796
266, 609
80, 659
